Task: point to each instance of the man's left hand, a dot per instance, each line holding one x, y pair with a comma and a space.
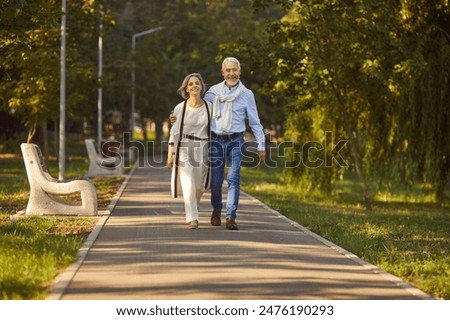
262, 156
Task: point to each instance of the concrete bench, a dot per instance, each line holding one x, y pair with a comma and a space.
102, 166
46, 191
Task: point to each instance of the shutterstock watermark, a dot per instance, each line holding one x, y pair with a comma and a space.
286, 154
310, 154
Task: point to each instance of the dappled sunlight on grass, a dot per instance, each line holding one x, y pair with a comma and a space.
34, 249
406, 233
388, 197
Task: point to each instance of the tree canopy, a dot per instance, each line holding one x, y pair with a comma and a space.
353, 85
375, 74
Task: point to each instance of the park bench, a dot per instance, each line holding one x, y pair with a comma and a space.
100, 165
46, 192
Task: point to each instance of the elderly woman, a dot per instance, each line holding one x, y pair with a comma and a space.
189, 146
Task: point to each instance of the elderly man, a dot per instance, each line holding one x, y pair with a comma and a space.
232, 104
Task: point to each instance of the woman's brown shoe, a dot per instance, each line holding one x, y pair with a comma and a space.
231, 224
215, 218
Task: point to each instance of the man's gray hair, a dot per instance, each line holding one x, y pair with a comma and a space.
231, 60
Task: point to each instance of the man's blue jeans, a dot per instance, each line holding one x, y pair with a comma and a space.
229, 153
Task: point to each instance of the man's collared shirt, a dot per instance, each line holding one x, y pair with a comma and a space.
244, 106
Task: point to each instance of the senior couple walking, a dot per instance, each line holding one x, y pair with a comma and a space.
207, 134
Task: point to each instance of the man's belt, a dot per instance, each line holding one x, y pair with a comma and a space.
227, 136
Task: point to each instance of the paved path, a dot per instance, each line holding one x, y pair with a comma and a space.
145, 251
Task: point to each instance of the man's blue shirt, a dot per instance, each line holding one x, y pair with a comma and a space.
244, 106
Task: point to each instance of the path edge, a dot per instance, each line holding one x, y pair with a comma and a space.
388, 276
62, 281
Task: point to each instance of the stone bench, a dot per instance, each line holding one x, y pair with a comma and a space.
46, 191
102, 166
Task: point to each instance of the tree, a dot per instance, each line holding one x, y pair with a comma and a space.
28, 85
30, 45
350, 67
331, 86
190, 42
421, 132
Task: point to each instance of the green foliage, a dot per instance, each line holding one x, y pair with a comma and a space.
193, 34
190, 42
373, 73
30, 65
421, 136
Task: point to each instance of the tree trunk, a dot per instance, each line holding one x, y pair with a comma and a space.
353, 148
55, 137
355, 155
359, 171
158, 131
444, 179
402, 170
357, 161
144, 129
31, 132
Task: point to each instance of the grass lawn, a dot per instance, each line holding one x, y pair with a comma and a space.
34, 250
405, 234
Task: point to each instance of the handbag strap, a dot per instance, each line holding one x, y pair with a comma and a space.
177, 158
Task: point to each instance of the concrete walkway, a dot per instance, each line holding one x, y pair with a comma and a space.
143, 250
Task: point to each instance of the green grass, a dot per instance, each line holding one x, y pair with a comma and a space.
410, 238
33, 250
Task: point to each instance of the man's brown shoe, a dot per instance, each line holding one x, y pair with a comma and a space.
231, 224
215, 218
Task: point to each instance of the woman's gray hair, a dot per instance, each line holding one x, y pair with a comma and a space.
182, 89
231, 60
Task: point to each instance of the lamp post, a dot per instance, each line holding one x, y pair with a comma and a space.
62, 96
133, 79
100, 85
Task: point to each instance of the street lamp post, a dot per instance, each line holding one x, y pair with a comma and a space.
100, 85
133, 79
62, 96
